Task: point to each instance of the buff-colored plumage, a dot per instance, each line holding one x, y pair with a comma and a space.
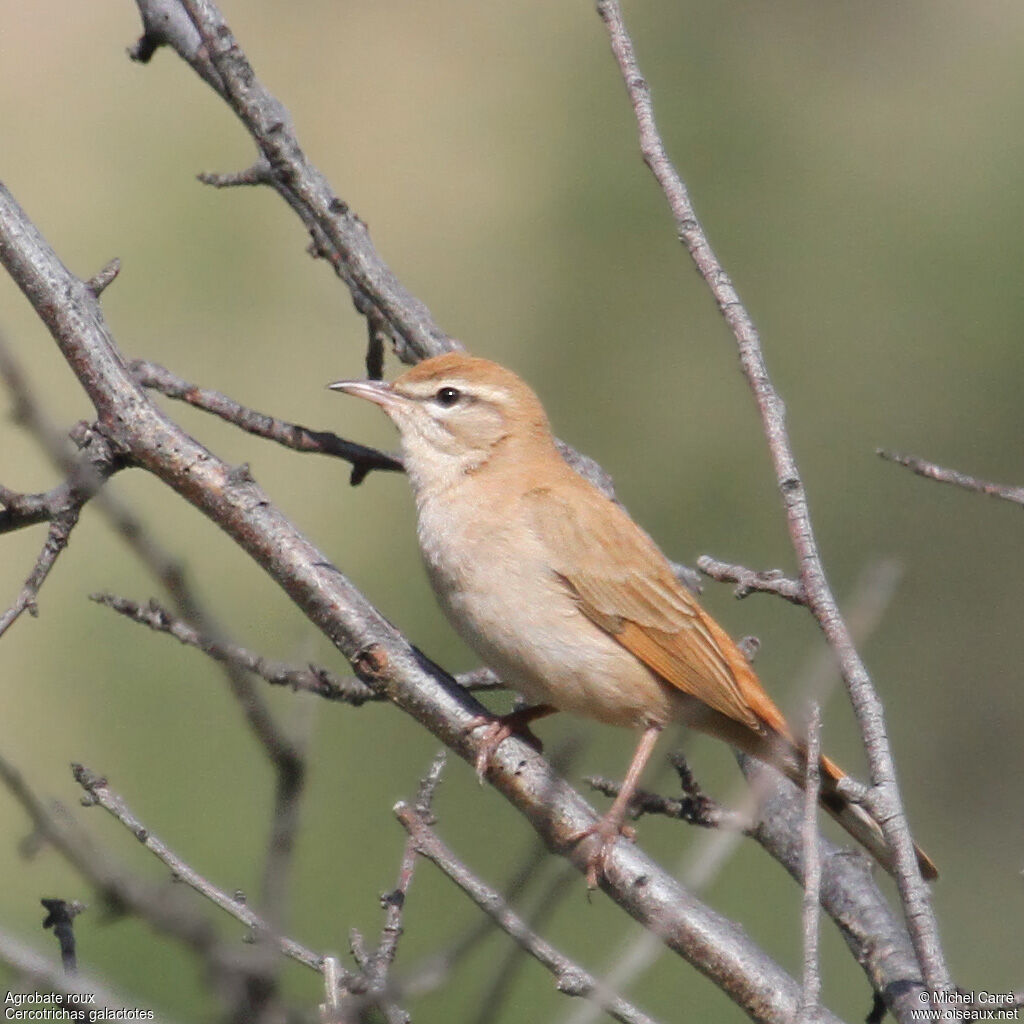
561, 593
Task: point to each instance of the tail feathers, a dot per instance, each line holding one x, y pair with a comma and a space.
860, 824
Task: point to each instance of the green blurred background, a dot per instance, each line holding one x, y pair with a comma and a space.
857, 167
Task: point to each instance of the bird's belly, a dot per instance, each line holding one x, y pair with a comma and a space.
527, 627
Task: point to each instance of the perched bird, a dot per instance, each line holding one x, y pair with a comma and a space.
563, 595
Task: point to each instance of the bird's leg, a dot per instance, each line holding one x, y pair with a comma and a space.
612, 824
497, 730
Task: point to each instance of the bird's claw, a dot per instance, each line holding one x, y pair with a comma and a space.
496, 731
608, 830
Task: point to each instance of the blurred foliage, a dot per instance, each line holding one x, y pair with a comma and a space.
857, 168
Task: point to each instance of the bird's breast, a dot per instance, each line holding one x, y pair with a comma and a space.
493, 578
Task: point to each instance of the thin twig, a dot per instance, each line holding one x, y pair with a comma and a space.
752, 581
435, 968
307, 678
291, 435
811, 997
102, 280
285, 820
22, 510
338, 234
934, 471
60, 916
57, 538
257, 174
885, 802
158, 905
570, 978
380, 990
499, 991
100, 793
693, 808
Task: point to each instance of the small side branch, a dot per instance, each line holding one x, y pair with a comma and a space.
56, 541
952, 476
694, 807
60, 916
377, 966
308, 678
21, 510
291, 435
753, 581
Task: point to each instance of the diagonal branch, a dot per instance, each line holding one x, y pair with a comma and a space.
160, 906
811, 998
338, 234
99, 792
570, 978
309, 678
753, 581
933, 471
291, 435
884, 799
57, 538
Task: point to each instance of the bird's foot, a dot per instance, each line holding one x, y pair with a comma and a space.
608, 828
497, 730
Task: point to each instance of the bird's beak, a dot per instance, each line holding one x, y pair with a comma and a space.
377, 391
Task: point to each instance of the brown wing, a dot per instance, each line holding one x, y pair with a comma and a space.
624, 584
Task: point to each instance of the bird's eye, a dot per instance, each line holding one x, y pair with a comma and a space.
448, 396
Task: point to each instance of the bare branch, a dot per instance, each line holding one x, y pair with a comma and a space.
885, 800
875, 935
952, 476
499, 991
99, 792
257, 174
811, 997
694, 807
60, 916
160, 906
21, 510
338, 234
99, 283
436, 967
56, 541
753, 581
570, 978
166, 569
298, 438
308, 678
379, 990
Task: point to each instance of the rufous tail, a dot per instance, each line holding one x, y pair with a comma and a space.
858, 822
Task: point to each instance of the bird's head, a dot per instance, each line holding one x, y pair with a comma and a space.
455, 414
